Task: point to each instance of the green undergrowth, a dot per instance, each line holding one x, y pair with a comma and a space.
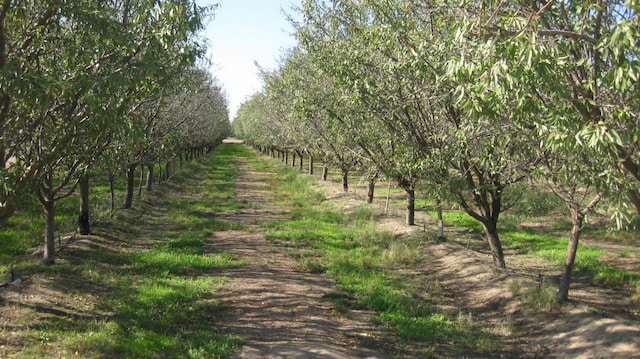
364, 262
142, 287
551, 247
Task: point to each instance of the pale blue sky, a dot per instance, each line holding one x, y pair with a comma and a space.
241, 33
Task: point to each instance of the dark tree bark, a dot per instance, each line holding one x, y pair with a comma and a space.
411, 206
83, 215
491, 231
345, 180
301, 160
577, 219
572, 249
149, 184
112, 195
370, 189
634, 197
325, 173
440, 237
485, 206
293, 156
310, 164
286, 157
141, 182
128, 197
167, 170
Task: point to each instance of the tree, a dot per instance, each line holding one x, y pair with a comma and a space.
573, 64
60, 99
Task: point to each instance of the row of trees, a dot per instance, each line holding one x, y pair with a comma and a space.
468, 99
99, 86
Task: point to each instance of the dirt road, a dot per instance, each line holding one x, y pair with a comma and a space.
281, 311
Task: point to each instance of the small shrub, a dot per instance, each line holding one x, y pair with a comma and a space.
401, 253
313, 265
515, 287
540, 298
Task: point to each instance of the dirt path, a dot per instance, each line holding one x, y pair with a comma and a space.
279, 310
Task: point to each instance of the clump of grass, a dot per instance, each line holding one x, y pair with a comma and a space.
401, 253
540, 298
342, 301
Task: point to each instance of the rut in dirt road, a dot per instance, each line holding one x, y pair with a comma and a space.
281, 311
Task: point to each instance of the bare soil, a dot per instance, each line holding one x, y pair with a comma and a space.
598, 322
280, 310
283, 311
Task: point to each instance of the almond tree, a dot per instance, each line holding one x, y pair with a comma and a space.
70, 74
574, 66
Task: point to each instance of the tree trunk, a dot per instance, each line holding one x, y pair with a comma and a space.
167, 170
49, 206
83, 215
370, 189
128, 197
149, 184
301, 161
491, 231
325, 173
310, 164
141, 182
6, 211
572, 248
49, 254
112, 195
286, 157
345, 180
634, 196
293, 161
411, 206
440, 237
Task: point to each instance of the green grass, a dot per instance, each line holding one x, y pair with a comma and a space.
552, 248
362, 260
157, 301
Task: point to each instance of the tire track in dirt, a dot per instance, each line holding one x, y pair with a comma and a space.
279, 310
